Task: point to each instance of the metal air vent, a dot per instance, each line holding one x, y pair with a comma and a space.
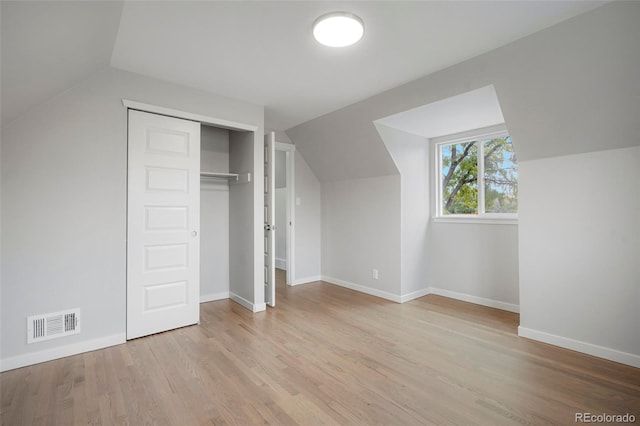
53, 325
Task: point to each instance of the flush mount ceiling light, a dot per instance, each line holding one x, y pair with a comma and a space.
338, 29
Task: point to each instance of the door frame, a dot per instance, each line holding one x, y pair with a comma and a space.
290, 151
257, 304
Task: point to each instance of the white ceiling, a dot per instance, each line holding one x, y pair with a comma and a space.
260, 51
469, 111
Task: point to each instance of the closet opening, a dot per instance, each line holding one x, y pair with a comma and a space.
215, 180
226, 215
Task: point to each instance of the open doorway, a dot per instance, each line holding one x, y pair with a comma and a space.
284, 212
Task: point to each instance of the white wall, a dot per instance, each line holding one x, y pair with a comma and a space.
307, 223
580, 252
361, 232
64, 207
214, 215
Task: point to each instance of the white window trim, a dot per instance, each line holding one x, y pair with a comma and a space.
480, 218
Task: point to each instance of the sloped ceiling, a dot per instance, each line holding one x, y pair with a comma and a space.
47, 47
569, 89
257, 51
263, 52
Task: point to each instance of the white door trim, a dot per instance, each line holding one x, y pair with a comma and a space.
218, 122
269, 219
290, 151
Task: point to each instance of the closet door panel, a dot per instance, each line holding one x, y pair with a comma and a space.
163, 269
165, 218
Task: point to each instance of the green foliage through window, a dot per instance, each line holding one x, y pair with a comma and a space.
500, 177
460, 178
479, 170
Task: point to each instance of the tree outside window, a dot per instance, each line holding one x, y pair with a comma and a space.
479, 177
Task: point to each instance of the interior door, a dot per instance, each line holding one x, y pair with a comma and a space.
269, 220
163, 224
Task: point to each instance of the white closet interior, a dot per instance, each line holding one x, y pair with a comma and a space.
214, 214
217, 177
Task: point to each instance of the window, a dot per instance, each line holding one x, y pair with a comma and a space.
477, 177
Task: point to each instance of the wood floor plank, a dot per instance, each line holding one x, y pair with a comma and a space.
325, 355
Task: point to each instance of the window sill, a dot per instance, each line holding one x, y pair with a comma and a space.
487, 220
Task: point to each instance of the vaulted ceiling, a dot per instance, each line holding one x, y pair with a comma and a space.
257, 51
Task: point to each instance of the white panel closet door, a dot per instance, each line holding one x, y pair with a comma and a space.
163, 224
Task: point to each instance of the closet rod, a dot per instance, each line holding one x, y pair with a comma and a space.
233, 176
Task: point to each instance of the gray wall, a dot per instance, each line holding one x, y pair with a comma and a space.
335, 144
474, 262
579, 250
64, 206
48, 47
281, 169
411, 156
281, 207
361, 232
308, 225
246, 275
567, 90
281, 227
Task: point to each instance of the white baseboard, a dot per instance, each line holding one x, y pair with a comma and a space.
415, 295
253, 307
475, 299
307, 280
61, 352
281, 263
584, 347
423, 292
213, 297
363, 289
259, 307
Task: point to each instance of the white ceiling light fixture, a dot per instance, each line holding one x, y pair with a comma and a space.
338, 29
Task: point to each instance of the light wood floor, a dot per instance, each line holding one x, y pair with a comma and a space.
325, 355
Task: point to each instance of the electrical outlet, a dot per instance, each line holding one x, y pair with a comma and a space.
375, 274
